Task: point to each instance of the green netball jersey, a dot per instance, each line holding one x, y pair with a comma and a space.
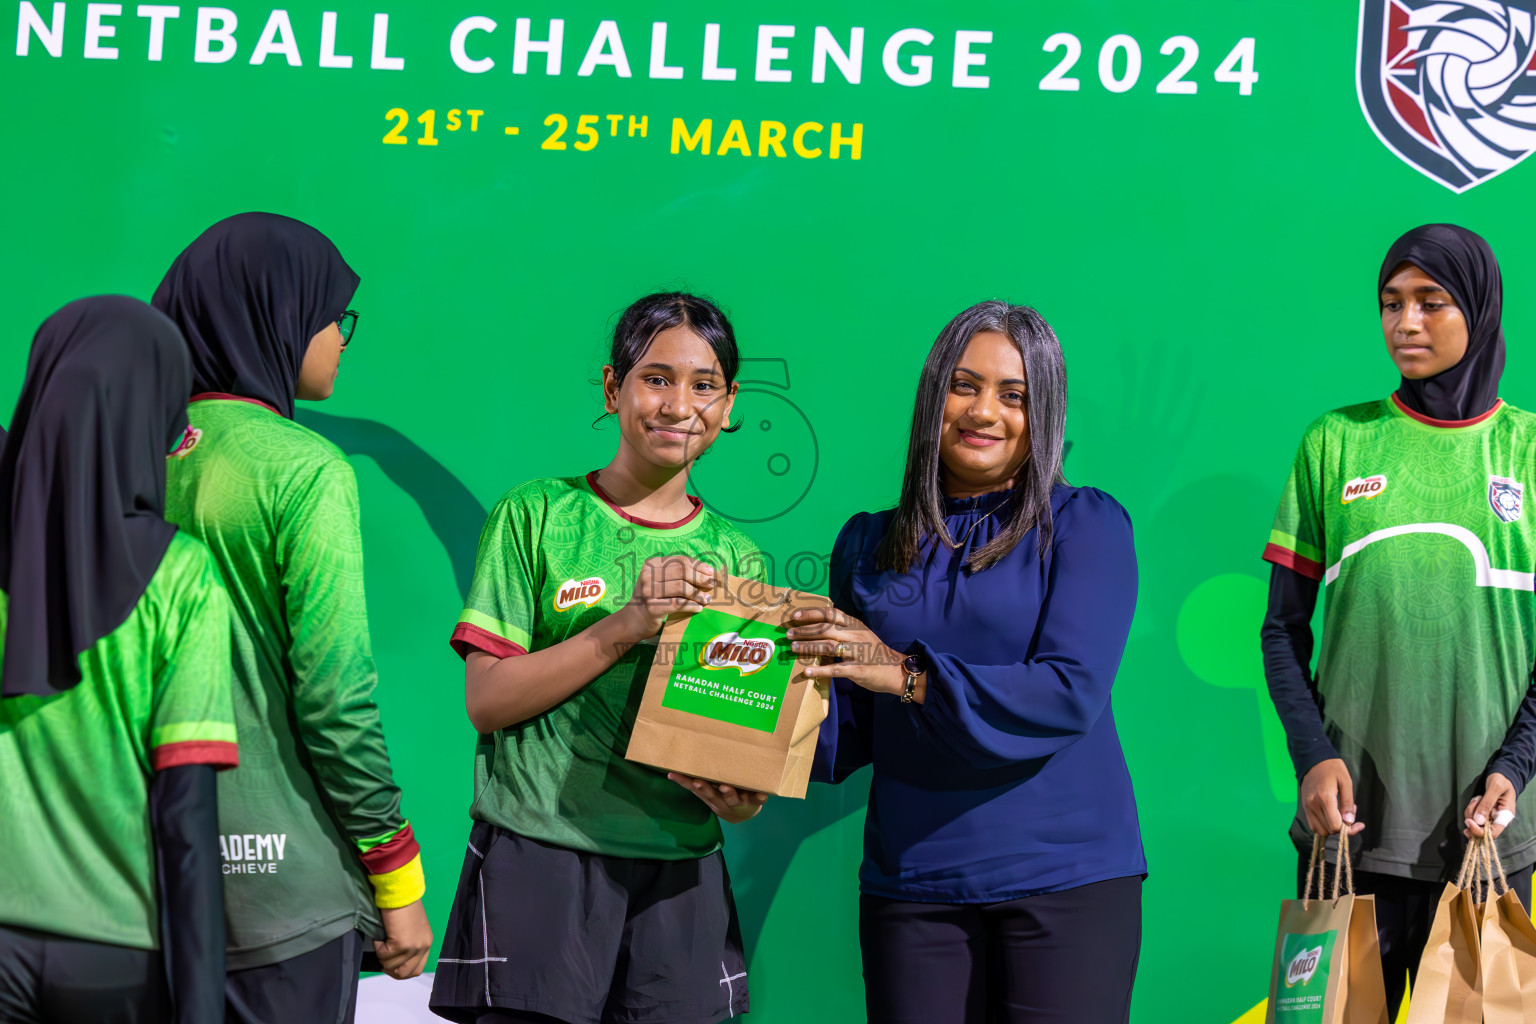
1417, 529
555, 556
313, 809
75, 837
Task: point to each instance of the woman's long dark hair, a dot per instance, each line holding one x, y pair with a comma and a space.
649, 315
920, 515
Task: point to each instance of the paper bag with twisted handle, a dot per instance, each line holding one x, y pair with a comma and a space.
1327, 964
1508, 952
1448, 988
726, 699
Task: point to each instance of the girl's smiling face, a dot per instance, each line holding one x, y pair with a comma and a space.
672, 405
1426, 331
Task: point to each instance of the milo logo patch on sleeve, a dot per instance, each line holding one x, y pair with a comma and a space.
1303, 988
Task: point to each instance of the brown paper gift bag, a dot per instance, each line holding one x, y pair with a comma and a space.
726, 699
1448, 988
1327, 965
1508, 953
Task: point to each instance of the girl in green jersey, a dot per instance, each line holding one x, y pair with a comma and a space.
115, 704
321, 867
1419, 727
593, 887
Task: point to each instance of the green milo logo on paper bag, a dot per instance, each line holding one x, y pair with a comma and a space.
730, 669
1304, 964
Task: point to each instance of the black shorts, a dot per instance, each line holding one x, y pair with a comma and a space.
50, 979
318, 987
589, 939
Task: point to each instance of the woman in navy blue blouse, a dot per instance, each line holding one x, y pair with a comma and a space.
979, 627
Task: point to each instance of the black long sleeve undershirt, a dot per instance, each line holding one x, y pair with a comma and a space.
184, 812
1286, 639
1516, 758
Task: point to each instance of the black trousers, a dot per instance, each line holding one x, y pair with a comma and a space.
49, 979
318, 987
1405, 910
1059, 958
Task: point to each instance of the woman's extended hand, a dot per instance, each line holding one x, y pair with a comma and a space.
865, 659
733, 804
1494, 810
1328, 798
666, 584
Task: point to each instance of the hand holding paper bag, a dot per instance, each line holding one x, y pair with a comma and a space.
664, 587
730, 803
1328, 799
727, 701
865, 660
1494, 810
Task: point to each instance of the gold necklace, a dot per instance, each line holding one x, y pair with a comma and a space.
967, 538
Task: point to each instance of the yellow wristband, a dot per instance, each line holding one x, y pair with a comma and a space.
400, 887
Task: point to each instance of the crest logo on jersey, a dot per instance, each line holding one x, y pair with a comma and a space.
1449, 86
1363, 487
1504, 497
574, 592
731, 650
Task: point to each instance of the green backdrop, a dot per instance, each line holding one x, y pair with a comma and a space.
1207, 258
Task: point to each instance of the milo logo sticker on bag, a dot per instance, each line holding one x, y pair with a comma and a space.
732, 650
729, 669
1303, 988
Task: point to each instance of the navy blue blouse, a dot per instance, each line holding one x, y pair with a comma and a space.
1009, 781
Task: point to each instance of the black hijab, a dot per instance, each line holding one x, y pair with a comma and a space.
1464, 265
82, 483
249, 294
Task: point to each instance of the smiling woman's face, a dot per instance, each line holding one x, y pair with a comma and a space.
984, 439
671, 406
1426, 331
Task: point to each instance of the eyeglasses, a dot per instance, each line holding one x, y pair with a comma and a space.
347, 324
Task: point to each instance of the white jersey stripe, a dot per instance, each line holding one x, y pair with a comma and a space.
1487, 575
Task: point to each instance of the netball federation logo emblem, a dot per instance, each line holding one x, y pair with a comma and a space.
1449, 86
1504, 496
